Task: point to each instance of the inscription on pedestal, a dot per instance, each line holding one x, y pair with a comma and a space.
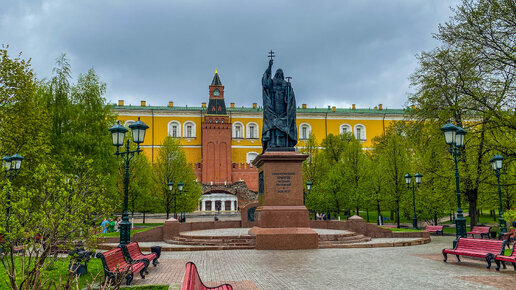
283, 181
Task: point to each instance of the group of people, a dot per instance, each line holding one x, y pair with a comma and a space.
322, 216
110, 225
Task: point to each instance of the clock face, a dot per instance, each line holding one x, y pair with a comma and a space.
216, 92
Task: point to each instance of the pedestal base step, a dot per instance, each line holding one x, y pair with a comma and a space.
285, 238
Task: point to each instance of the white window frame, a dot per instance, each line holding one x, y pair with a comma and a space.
248, 130
347, 126
308, 132
363, 135
169, 128
249, 155
241, 130
185, 126
127, 123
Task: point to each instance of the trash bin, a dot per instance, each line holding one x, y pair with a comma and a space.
79, 259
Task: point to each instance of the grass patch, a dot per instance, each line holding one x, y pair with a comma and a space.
59, 269
482, 219
117, 234
148, 224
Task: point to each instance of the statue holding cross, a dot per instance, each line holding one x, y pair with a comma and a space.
279, 110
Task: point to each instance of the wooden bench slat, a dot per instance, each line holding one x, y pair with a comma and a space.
192, 280
487, 249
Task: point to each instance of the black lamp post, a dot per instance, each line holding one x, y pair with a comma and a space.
170, 186
408, 180
496, 163
308, 187
12, 165
118, 133
454, 136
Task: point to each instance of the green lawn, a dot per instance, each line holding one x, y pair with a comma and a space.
373, 216
482, 219
60, 269
117, 234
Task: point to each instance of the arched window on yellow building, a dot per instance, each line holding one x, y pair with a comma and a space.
345, 128
251, 156
238, 130
304, 131
360, 132
189, 129
252, 130
174, 129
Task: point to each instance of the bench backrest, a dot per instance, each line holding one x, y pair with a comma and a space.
480, 245
192, 280
133, 249
483, 230
434, 228
114, 259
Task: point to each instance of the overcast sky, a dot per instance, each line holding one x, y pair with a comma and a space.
338, 52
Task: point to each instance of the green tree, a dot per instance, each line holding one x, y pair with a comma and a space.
171, 166
394, 161
60, 210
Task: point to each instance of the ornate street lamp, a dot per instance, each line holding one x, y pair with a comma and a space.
118, 134
454, 136
170, 186
408, 180
496, 163
11, 165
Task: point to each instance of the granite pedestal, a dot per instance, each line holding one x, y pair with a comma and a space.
281, 219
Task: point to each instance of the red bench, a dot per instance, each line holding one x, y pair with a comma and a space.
193, 281
509, 237
482, 231
501, 258
115, 266
133, 253
479, 248
435, 229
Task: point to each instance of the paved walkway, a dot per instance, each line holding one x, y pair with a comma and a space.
415, 267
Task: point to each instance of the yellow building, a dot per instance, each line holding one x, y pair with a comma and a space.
245, 122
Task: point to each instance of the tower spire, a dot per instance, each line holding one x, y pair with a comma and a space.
216, 79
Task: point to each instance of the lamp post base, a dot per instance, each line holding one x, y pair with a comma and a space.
125, 232
503, 225
414, 223
460, 227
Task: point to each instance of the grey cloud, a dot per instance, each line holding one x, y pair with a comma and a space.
338, 52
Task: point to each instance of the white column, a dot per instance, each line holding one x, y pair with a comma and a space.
203, 207
232, 204
223, 204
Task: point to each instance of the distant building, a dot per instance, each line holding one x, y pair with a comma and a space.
221, 142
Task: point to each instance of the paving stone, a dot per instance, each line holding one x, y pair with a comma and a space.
414, 267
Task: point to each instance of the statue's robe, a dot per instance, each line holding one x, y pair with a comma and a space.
279, 111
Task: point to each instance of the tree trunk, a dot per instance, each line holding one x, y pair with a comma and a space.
144, 217
379, 212
367, 214
392, 215
358, 212
398, 213
435, 219
473, 212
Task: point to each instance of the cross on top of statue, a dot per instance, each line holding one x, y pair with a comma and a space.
288, 79
271, 54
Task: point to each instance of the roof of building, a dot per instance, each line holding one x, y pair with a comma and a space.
216, 80
259, 109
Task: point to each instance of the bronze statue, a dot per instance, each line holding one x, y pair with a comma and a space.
279, 111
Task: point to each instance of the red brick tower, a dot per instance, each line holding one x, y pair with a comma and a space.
216, 138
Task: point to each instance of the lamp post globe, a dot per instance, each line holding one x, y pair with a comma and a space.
16, 161
449, 131
6, 163
138, 129
496, 163
170, 186
118, 136
418, 177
